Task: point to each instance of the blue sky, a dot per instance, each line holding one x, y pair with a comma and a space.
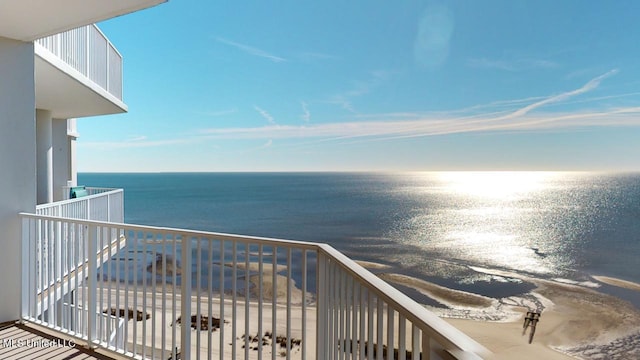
373, 85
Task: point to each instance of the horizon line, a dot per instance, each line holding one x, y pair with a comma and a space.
619, 171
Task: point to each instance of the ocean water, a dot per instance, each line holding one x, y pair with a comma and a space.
437, 226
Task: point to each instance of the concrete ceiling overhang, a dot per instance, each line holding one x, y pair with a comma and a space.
67, 93
28, 20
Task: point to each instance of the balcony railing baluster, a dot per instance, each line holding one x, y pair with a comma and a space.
356, 315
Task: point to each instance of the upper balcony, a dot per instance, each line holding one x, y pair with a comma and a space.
78, 73
100, 204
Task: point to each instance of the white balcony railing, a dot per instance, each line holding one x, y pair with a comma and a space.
101, 204
207, 295
88, 50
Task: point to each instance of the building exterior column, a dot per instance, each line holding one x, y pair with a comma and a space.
44, 156
72, 132
61, 158
18, 164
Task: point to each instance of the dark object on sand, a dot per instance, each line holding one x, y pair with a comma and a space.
531, 319
178, 355
268, 339
139, 315
171, 271
203, 322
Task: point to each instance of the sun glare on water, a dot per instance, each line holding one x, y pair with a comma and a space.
495, 185
488, 218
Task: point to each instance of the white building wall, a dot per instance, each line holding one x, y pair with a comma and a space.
18, 164
44, 156
61, 158
73, 161
72, 131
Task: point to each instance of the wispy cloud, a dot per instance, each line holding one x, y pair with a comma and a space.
137, 142
359, 88
591, 85
136, 138
406, 125
266, 145
580, 73
606, 97
492, 108
342, 102
430, 126
519, 64
265, 114
251, 50
306, 115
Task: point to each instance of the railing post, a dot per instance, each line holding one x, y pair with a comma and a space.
58, 244
185, 303
92, 237
426, 345
26, 269
321, 306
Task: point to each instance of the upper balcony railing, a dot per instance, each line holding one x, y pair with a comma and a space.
88, 50
158, 293
101, 204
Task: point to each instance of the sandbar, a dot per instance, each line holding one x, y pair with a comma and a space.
618, 282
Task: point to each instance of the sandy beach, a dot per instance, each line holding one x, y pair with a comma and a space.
576, 321
224, 334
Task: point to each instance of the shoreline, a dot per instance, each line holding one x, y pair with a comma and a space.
577, 320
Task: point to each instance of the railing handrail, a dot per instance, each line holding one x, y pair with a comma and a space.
92, 190
305, 245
